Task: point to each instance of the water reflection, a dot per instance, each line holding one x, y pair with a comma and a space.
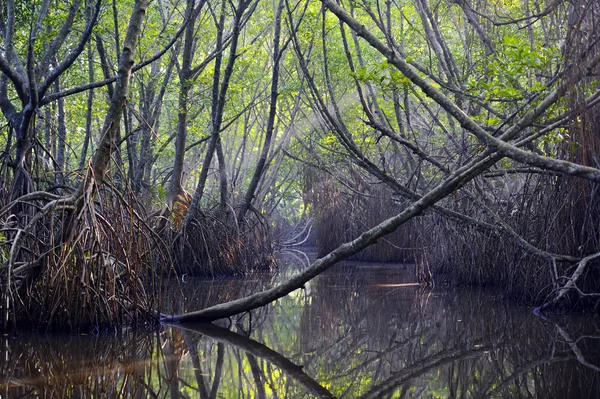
39, 366
357, 332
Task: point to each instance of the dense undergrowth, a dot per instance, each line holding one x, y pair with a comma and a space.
554, 214
342, 215
96, 262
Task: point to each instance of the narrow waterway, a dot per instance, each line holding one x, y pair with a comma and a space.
358, 331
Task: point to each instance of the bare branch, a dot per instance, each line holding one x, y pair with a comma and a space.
73, 54
54, 96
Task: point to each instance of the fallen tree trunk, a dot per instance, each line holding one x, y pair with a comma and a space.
495, 148
228, 309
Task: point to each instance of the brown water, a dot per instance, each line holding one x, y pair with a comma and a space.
358, 331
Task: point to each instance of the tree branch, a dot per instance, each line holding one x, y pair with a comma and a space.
72, 56
54, 96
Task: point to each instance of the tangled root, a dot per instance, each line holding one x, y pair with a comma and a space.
213, 244
82, 262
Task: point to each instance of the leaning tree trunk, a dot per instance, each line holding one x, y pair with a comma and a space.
255, 301
113, 117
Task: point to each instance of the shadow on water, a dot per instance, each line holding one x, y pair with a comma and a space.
358, 331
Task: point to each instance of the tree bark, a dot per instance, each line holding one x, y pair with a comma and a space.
260, 166
88, 111
61, 139
185, 85
113, 116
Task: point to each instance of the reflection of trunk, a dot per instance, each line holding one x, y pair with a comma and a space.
520, 372
172, 364
261, 351
420, 368
256, 375
202, 388
218, 371
191, 347
576, 351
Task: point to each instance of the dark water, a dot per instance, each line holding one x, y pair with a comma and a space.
359, 331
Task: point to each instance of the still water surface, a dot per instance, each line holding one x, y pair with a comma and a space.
358, 331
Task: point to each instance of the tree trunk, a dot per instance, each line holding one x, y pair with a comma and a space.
219, 93
61, 139
260, 166
185, 85
113, 116
88, 111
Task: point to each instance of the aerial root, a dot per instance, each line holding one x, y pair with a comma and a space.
81, 262
570, 285
213, 244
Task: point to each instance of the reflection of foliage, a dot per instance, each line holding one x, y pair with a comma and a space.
351, 333
76, 366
